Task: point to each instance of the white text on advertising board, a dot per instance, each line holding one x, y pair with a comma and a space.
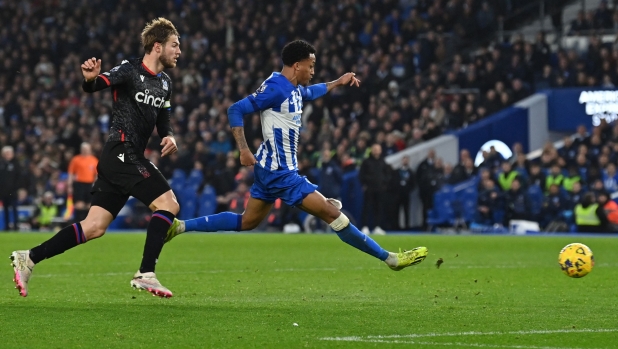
600, 105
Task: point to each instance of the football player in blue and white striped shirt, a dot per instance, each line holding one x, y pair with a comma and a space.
280, 101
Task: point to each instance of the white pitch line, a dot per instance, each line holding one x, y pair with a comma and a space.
448, 344
497, 333
394, 338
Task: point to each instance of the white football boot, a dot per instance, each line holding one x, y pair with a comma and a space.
22, 267
149, 282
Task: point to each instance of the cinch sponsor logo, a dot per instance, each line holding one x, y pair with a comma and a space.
144, 97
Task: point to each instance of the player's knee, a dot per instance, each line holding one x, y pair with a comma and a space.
170, 206
93, 228
174, 207
331, 213
340, 222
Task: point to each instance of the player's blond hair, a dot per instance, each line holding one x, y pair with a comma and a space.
158, 30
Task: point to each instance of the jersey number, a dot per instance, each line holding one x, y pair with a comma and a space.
296, 101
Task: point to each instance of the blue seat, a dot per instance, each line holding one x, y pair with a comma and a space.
195, 179
352, 194
498, 216
443, 212
187, 198
179, 175
177, 182
536, 196
207, 202
469, 203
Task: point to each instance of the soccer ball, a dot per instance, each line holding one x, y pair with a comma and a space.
576, 260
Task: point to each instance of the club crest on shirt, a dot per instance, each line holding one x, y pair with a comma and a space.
260, 90
165, 85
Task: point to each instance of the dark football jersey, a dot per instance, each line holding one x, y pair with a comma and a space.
141, 102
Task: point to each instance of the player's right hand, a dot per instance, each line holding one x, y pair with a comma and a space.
247, 158
91, 68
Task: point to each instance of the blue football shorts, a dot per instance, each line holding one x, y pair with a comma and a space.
288, 186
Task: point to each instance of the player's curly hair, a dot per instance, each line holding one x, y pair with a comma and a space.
296, 51
157, 30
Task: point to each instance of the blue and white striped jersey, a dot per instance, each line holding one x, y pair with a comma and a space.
281, 105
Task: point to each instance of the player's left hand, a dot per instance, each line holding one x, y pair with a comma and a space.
169, 146
349, 79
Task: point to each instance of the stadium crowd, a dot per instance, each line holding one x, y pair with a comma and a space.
413, 89
554, 189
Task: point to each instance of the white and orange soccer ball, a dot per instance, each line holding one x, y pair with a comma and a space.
576, 260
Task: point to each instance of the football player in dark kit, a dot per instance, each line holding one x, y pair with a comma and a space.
141, 100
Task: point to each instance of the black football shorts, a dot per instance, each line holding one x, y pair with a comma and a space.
123, 172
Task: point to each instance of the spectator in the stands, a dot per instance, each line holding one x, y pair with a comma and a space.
597, 187
610, 178
603, 16
573, 177
568, 151
579, 24
374, 177
589, 215
490, 199
554, 205
464, 170
522, 166
581, 136
610, 212
45, 212
555, 177
402, 183
427, 179
10, 181
222, 145
517, 150
575, 196
517, 202
506, 176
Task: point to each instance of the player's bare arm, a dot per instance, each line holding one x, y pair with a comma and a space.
246, 156
346, 79
91, 69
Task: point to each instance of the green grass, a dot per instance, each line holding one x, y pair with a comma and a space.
245, 291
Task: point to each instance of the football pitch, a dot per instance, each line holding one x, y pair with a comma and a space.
296, 291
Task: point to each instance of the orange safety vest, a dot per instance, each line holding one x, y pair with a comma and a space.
611, 210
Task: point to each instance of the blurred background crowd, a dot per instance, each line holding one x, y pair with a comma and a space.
427, 67
556, 189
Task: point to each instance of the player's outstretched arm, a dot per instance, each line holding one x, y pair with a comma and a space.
345, 79
316, 91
